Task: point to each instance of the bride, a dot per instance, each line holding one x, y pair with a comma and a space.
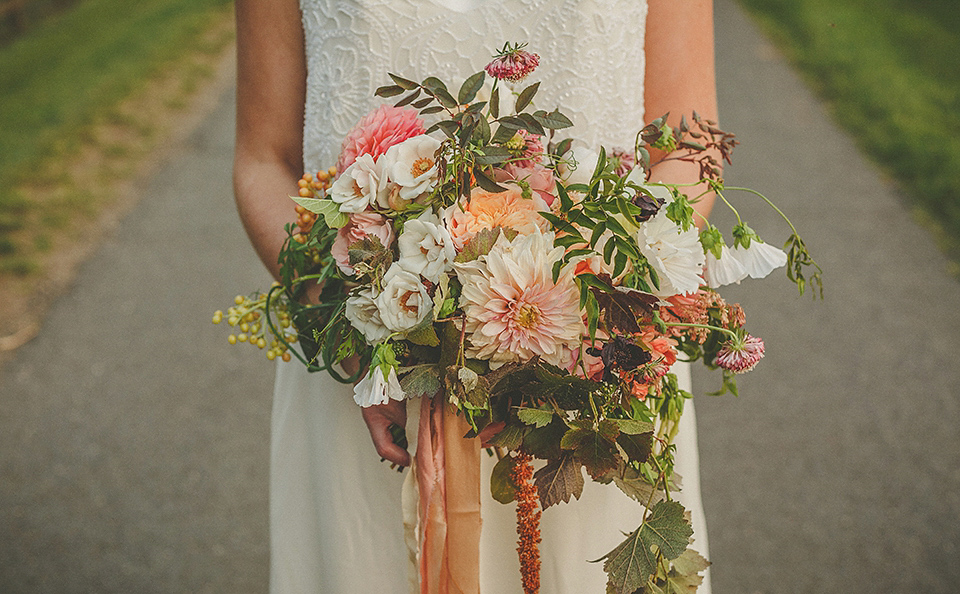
306, 74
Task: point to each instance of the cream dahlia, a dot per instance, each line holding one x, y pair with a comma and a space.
514, 311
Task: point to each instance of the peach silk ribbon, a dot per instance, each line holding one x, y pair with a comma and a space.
448, 480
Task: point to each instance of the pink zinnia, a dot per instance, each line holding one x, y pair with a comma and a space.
741, 355
513, 64
377, 131
625, 161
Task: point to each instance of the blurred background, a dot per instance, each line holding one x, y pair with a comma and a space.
134, 439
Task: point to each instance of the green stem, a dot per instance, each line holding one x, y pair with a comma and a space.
729, 333
730, 206
772, 205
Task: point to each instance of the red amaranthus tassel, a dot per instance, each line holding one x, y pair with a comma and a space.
528, 523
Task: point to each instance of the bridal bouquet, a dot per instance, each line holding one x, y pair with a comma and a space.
542, 288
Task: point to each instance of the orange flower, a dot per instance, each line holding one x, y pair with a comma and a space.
486, 210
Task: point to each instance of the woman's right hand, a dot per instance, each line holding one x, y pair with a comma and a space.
378, 419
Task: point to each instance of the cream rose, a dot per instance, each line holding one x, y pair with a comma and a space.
404, 301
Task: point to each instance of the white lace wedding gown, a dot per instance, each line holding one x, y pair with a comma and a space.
335, 516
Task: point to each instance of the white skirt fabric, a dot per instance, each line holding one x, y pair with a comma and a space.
335, 513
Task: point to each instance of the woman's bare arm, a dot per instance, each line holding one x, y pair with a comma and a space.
680, 76
271, 83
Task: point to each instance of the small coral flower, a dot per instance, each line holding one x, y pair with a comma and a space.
513, 63
741, 355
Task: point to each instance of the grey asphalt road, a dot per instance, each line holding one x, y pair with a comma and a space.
134, 440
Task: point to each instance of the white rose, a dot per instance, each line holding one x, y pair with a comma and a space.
362, 312
357, 186
374, 389
426, 247
404, 301
410, 168
577, 165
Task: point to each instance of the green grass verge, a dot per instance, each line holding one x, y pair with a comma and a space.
889, 70
73, 71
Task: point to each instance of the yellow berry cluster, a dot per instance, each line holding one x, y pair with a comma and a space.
311, 187
247, 316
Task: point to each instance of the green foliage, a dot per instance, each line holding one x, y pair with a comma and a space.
664, 534
888, 69
74, 68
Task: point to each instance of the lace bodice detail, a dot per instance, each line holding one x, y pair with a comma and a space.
592, 61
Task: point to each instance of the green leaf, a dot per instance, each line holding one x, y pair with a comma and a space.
633, 426
535, 416
636, 487
419, 380
530, 124
388, 91
526, 96
543, 443
558, 481
469, 88
510, 437
637, 447
424, 334
431, 110
553, 120
493, 155
486, 183
495, 103
408, 99
328, 209
501, 486
479, 245
631, 564
403, 83
503, 134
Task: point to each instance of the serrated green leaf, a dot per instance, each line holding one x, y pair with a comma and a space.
420, 380
665, 532
424, 334
559, 480
633, 485
510, 437
535, 416
479, 245
633, 426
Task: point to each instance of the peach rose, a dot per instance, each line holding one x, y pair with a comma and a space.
486, 210
361, 226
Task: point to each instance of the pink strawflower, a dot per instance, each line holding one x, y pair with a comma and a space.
740, 355
513, 64
377, 131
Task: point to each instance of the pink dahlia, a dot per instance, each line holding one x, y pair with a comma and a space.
741, 355
513, 63
377, 131
514, 311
